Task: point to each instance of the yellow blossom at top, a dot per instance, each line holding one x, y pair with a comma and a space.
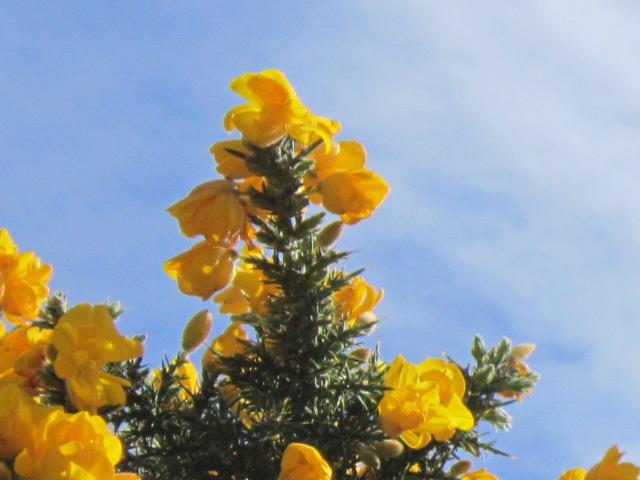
202, 270
22, 355
275, 110
425, 402
356, 298
74, 447
19, 416
481, 474
303, 462
23, 281
609, 468
85, 340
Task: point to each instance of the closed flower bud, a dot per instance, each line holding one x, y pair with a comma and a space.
367, 456
197, 331
478, 350
522, 351
5, 473
361, 353
485, 374
460, 468
330, 234
389, 448
367, 318
50, 353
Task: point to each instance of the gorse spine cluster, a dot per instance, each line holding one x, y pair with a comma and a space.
287, 391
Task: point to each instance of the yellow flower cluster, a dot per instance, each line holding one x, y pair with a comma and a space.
425, 401
355, 299
609, 468
219, 210
46, 443
22, 353
85, 340
23, 282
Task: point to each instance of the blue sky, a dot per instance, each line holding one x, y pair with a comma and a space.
508, 132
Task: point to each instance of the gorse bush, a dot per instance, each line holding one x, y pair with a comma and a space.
288, 391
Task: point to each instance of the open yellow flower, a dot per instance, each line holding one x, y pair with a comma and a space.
230, 165
344, 156
343, 185
202, 270
215, 209
188, 380
355, 299
354, 194
22, 355
85, 340
425, 402
303, 462
75, 447
23, 281
19, 416
249, 290
225, 345
481, 474
275, 110
609, 468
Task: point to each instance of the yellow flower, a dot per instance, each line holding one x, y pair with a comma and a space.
249, 290
481, 474
85, 340
353, 195
609, 468
215, 209
225, 345
23, 281
19, 416
230, 165
75, 447
238, 405
22, 355
344, 186
425, 402
355, 299
344, 156
203, 270
275, 110
188, 380
303, 462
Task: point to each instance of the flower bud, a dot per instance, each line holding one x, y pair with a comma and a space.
197, 331
330, 234
367, 456
478, 350
389, 448
460, 468
485, 374
5, 473
367, 318
361, 353
522, 351
50, 353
